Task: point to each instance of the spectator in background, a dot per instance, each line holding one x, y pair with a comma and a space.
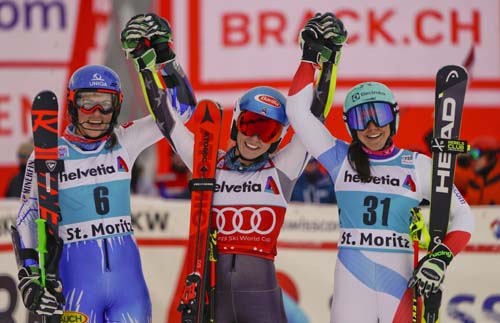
314, 185
16, 183
483, 184
174, 184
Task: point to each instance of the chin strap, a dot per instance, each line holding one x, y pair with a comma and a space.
233, 162
83, 142
238, 155
99, 137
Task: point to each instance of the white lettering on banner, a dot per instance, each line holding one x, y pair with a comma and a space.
426, 33
374, 239
253, 221
96, 229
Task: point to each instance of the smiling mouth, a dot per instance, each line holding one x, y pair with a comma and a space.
250, 146
374, 136
94, 125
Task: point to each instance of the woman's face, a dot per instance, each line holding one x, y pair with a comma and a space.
95, 123
481, 163
373, 137
250, 147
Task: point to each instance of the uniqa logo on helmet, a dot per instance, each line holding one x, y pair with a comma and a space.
97, 81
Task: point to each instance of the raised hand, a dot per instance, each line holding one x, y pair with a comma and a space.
322, 38
147, 38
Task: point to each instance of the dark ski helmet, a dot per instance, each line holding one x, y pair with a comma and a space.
96, 78
264, 101
485, 145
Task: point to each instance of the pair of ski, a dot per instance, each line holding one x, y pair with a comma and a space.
200, 283
44, 116
451, 84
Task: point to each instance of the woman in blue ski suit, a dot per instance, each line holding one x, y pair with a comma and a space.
99, 268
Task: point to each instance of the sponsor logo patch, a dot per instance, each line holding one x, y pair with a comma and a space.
384, 180
271, 186
121, 164
74, 317
63, 152
269, 100
409, 183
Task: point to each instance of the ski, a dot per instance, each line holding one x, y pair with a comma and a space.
451, 84
44, 117
197, 301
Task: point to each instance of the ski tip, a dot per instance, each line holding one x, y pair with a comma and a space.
208, 111
45, 100
452, 74
209, 104
46, 94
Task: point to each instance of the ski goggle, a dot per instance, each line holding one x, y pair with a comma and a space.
251, 124
476, 153
89, 101
358, 117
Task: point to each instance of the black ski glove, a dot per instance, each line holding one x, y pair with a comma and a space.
430, 271
322, 38
36, 298
147, 38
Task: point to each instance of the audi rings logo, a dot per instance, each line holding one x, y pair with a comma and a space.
245, 220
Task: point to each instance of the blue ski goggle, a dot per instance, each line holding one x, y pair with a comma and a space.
381, 113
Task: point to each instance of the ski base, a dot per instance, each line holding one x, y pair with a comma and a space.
44, 117
451, 85
197, 301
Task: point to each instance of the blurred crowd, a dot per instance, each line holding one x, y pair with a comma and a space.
478, 172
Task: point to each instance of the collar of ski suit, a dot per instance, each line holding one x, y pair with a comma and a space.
388, 151
232, 162
82, 142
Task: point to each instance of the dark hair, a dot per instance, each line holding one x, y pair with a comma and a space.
359, 161
112, 141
